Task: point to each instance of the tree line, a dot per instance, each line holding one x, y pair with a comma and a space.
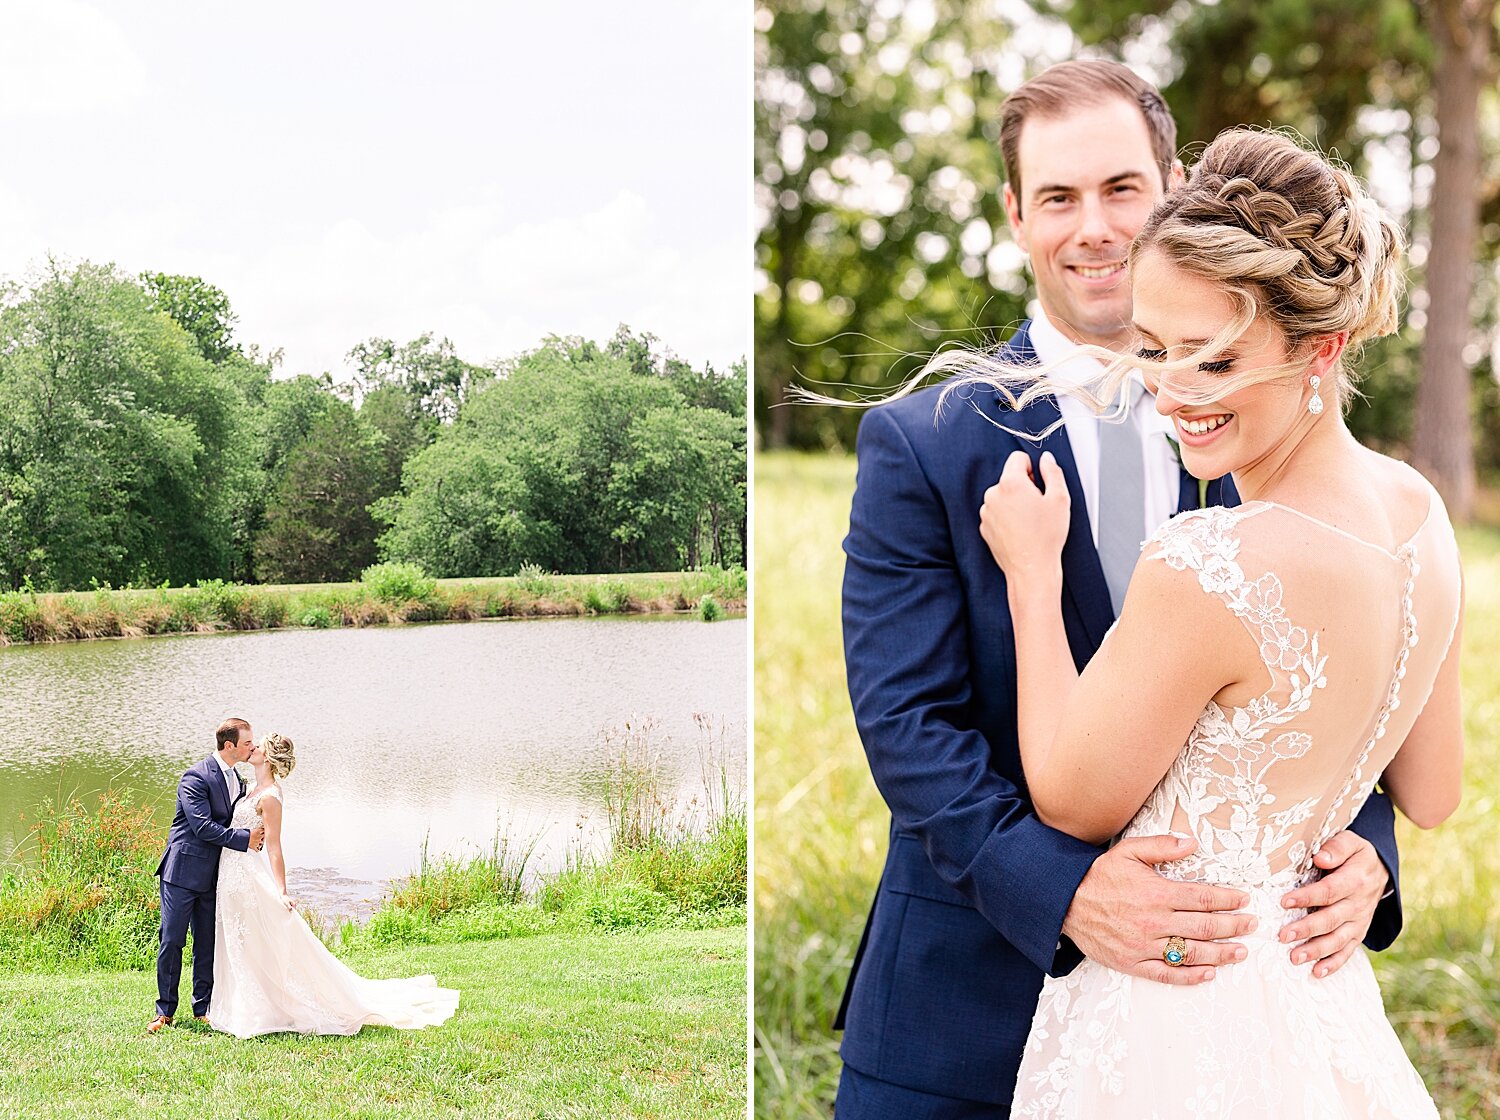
142, 445
878, 180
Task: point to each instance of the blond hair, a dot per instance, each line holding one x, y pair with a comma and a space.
278, 751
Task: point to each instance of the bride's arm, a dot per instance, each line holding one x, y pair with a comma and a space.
270, 808
1094, 746
1126, 718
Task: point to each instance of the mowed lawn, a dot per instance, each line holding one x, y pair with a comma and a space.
820, 826
564, 1026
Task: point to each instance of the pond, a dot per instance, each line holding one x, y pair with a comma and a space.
447, 734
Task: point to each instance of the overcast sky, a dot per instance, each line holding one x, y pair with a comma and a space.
494, 172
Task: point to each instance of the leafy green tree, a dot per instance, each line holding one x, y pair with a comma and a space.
318, 526
113, 433
403, 427
701, 388
430, 372
683, 486
877, 184
575, 459
198, 308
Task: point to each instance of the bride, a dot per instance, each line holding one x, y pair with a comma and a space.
271, 973
1271, 662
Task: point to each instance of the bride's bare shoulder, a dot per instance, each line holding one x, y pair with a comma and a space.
1408, 495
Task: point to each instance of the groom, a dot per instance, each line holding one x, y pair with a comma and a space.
189, 869
979, 899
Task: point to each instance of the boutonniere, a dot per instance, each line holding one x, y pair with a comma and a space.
1202, 482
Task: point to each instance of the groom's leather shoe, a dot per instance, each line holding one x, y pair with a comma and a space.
200, 1018
158, 1023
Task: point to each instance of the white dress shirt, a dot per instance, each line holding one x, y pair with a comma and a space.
1163, 475
231, 777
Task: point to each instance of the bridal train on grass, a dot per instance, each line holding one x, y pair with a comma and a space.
271, 973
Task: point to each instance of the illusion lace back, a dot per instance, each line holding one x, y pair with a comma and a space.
271, 973
1351, 637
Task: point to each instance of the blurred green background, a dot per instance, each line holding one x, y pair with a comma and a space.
882, 234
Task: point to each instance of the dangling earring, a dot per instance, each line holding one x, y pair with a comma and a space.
1315, 402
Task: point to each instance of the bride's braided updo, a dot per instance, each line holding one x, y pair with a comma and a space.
1295, 233
278, 751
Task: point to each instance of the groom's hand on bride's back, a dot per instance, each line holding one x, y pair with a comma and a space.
1124, 911
1342, 904
257, 838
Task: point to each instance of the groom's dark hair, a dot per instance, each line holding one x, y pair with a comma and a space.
1060, 89
229, 731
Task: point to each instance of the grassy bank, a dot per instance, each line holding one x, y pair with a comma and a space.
821, 826
384, 598
88, 899
569, 1025
616, 988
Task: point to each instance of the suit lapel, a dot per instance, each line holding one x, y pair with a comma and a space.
216, 791
1187, 492
220, 789
1221, 492
1083, 581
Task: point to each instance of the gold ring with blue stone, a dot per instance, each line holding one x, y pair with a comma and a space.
1176, 951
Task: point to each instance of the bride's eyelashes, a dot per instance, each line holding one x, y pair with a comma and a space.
1220, 365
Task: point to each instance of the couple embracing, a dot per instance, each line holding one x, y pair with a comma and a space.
257, 967
1136, 842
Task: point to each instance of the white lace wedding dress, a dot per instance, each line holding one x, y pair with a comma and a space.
1260, 787
271, 973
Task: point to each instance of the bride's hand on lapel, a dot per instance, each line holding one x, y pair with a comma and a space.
1024, 525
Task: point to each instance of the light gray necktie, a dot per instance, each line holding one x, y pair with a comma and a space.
1122, 499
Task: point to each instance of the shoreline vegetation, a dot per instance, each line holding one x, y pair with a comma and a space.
386, 594
86, 899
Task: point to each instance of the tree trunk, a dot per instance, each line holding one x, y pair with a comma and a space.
1443, 439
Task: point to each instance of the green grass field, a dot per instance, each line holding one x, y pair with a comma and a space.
820, 825
646, 1025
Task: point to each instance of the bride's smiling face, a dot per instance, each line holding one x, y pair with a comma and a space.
1176, 312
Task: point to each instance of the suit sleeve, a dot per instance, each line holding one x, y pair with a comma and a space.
1376, 822
194, 795
906, 646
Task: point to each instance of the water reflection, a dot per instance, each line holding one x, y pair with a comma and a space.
440, 731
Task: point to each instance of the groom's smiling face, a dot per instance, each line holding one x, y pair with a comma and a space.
1088, 182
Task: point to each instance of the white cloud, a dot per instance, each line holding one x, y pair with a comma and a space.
346, 181
59, 58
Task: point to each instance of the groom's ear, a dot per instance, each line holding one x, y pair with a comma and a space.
1013, 217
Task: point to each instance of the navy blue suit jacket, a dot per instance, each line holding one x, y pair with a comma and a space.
969, 912
200, 829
